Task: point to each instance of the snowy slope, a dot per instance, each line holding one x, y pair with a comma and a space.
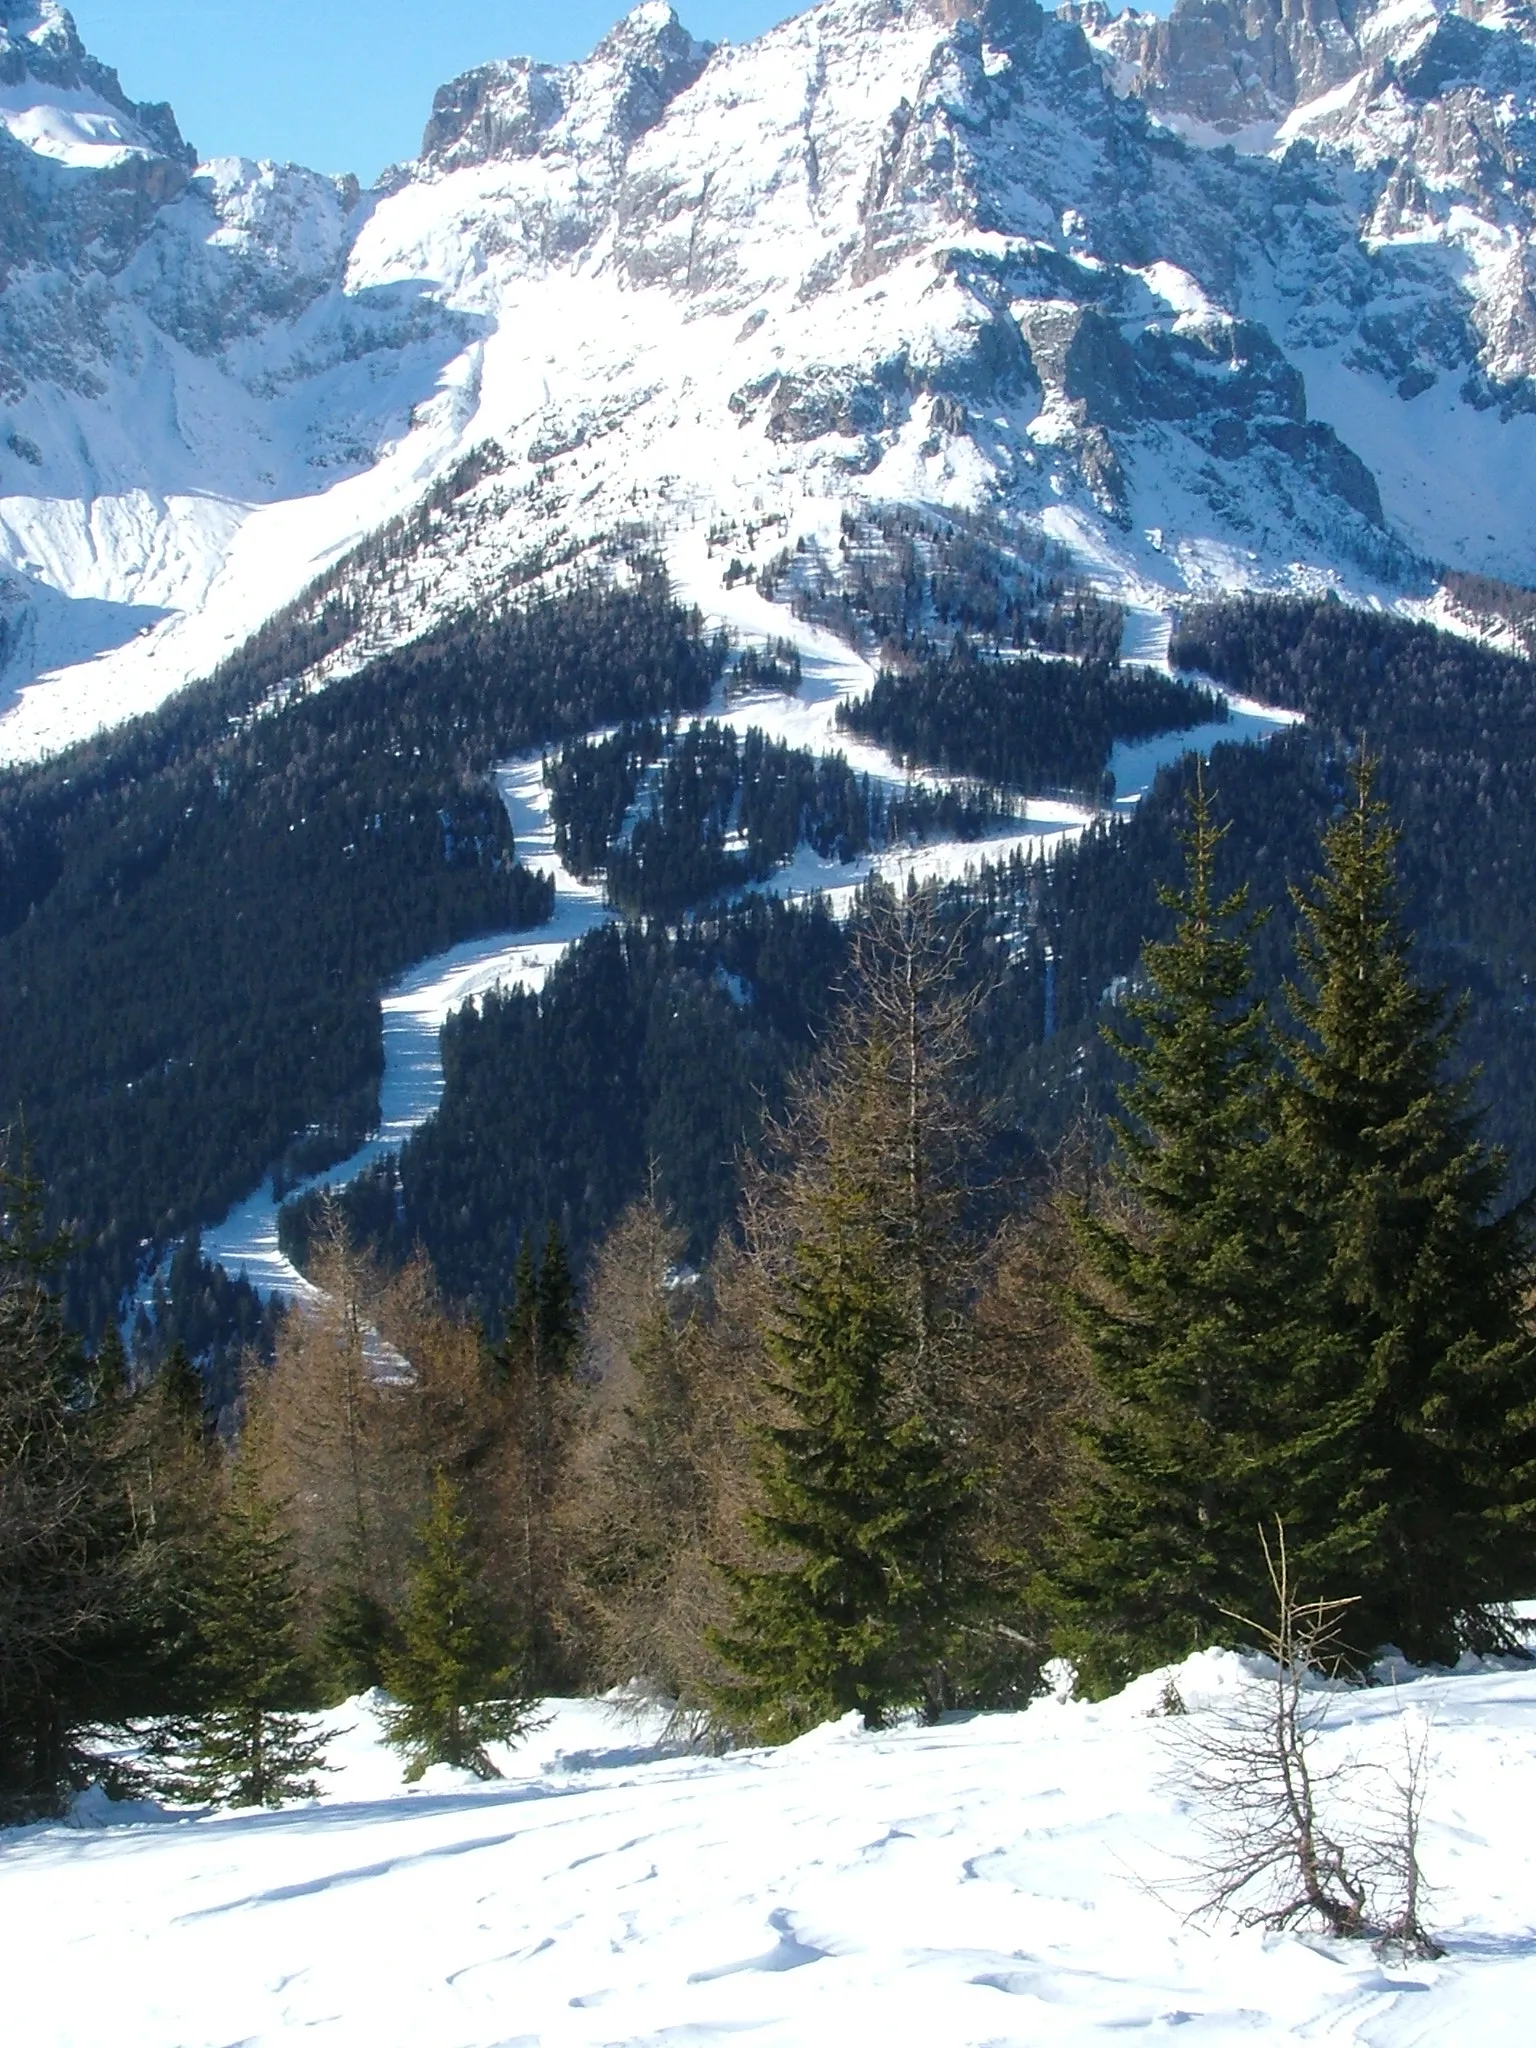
943, 251
986, 1882
416, 1006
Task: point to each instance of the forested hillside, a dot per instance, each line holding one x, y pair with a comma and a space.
200, 914
516, 1145
1035, 724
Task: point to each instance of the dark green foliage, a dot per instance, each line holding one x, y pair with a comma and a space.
109, 1368
201, 913
179, 1390
592, 784
724, 812
454, 1675
1455, 725
1183, 1304
533, 1367
643, 1048
1030, 724
65, 1560
1419, 1441
554, 1324
861, 1513
249, 1748
357, 1637
774, 668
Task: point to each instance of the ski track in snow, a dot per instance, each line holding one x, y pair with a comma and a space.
418, 1004
983, 1884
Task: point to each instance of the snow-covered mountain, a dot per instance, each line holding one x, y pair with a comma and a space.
1241, 297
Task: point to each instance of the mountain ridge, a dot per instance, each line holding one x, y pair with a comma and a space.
1239, 298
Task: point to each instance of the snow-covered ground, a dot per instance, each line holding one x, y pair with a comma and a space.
1002, 1881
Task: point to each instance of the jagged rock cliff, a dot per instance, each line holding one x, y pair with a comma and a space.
1238, 296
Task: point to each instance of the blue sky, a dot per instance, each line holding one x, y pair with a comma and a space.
346, 85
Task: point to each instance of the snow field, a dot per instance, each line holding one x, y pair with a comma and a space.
989, 1883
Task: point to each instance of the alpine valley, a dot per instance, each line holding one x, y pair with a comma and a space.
917, 343
767, 940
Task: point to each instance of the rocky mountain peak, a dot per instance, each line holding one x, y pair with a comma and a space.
40, 45
1238, 68
1240, 296
518, 108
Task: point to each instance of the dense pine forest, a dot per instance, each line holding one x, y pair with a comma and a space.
198, 917
1062, 937
1037, 725
721, 812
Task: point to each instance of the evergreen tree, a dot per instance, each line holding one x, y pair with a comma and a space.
861, 1509
533, 1367
874, 1558
109, 1368
167, 1461
453, 1676
1417, 1459
250, 1748
180, 1392
65, 1563
1182, 1299
558, 1327
356, 1634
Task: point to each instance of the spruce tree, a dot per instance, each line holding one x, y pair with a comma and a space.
533, 1367
65, 1557
168, 1464
558, 1326
180, 1392
861, 1511
356, 1632
1416, 1452
109, 1368
250, 1748
1182, 1298
875, 1561
454, 1675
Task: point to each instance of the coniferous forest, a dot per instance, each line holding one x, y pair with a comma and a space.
789, 1316
195, 920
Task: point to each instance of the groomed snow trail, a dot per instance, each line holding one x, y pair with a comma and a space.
416, 1006
984, 1884
415, 1009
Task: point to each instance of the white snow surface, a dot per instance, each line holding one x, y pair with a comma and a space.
1000, 1881
78, 128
